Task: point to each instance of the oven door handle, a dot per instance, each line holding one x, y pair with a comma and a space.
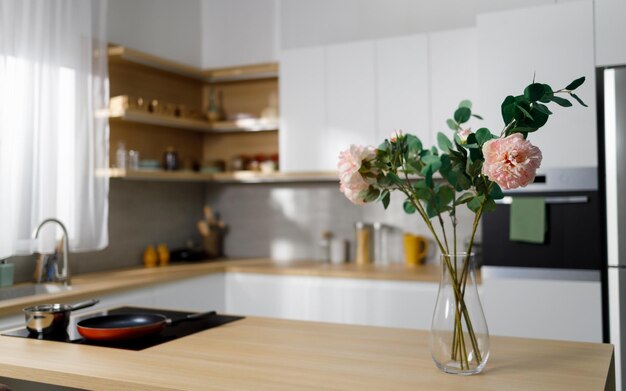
552, 200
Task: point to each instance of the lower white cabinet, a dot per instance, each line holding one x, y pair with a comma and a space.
338, 300
543, 308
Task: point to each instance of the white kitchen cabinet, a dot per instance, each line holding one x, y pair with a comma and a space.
402, 87
337, 300
351, 100
555, 44
610, 32
285, 297
203, 293
543, 308
453, 77
303, 131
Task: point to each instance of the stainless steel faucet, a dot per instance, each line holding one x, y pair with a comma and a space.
64, 276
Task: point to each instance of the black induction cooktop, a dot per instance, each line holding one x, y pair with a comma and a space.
169, 333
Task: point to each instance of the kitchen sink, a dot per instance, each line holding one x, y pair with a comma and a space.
23, 290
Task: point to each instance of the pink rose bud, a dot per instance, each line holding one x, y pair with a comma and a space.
464, 134
395, 135
351, 183
511, 162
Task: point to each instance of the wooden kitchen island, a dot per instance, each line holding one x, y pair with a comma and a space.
271, 354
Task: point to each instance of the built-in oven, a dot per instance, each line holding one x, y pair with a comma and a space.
572, 228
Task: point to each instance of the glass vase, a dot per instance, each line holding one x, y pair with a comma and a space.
459, 338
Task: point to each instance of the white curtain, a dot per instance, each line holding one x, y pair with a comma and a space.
53, 134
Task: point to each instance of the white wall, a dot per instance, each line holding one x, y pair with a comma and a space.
236, 32
321, 22
164, 28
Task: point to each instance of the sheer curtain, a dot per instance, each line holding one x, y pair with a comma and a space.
53, 131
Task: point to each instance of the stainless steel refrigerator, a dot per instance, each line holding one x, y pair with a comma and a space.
612, 142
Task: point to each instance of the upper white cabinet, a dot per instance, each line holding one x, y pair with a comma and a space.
555, 43
402, 88
610, 32
351, 101
453, 76
355, 93
303, 129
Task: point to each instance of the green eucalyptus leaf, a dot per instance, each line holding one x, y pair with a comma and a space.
393, 178
431, 209
445, 195
575, 84
578, 99
471, 140
483, 135
414, 144
386, 198
477, 116
489, 205
466, 103
508, 109
561, 101
463, 182
444, 143
474, 168
372, 194
496, 192
525, 112
408, 207
462, 114
463, 198
420, 184
423, 194
476, 154
452, 124
542, 108
475, 203
534, 92
428, 175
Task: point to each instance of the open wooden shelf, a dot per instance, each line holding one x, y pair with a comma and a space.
245, 125
227, 177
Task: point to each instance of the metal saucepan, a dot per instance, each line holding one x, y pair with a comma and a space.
119, 327
52, 318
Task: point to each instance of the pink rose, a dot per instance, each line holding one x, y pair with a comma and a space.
511, 162
351, 183
463, 134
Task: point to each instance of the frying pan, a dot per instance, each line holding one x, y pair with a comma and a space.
119, 327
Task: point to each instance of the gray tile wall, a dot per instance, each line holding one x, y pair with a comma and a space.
285, 221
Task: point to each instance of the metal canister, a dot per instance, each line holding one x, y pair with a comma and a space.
364, 242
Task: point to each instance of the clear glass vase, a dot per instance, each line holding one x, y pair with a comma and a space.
459, 338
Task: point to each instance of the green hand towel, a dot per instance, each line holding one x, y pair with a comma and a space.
528, 220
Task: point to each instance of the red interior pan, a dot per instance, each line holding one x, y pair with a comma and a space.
120, 327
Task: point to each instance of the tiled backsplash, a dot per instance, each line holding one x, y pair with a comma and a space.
140, 213
281, 221
285, 221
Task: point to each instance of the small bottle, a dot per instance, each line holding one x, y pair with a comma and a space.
150, 257
325, 246
121, 156
170, 159
163, 254
133, 159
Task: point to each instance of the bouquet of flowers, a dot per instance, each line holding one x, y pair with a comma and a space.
469, 168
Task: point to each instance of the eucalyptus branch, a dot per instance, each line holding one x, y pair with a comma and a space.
508, 127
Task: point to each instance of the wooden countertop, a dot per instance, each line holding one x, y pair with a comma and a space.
269, 354
96, 284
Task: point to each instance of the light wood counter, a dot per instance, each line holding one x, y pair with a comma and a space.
97, 284
268, 354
